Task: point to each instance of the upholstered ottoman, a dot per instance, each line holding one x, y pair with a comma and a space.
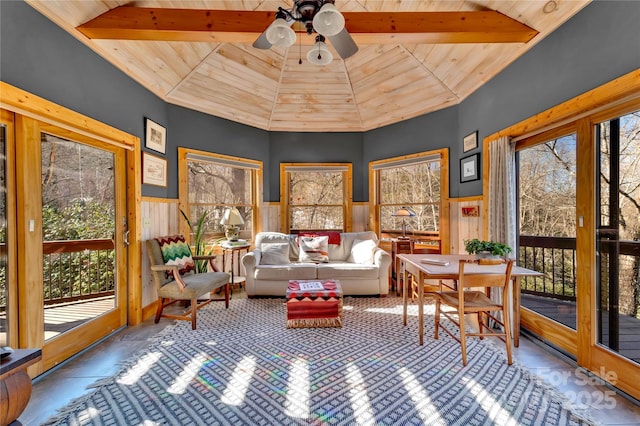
314, 303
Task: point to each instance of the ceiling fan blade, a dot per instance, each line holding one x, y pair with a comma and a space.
262, 42
344, 44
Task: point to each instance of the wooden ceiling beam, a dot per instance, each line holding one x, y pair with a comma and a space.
239, 26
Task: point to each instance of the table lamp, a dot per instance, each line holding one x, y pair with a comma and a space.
232, 222
404, 212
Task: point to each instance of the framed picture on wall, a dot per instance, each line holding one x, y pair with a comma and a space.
155, 136
470, 142
154, 170
469, 168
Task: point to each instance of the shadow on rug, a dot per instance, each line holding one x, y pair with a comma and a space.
243, 367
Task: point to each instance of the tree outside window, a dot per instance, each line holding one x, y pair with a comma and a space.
215, 183
316, 197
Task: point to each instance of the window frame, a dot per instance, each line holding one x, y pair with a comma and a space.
185, 155
406, 160
347, 179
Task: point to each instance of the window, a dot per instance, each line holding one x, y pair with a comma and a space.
547, 219
418, 182
211, 183
315, 196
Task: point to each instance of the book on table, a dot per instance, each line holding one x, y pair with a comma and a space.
237, 243
311, 285
438, 262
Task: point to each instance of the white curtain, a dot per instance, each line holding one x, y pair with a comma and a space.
502, 192
502, 196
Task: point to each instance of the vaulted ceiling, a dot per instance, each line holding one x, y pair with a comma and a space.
388, 80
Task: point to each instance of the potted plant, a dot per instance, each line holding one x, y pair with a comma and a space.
484, 249
199, 245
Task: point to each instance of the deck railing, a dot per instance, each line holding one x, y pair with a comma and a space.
78, 269
555, 257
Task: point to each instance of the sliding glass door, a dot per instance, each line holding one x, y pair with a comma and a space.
618, 235
547, 211
63, 253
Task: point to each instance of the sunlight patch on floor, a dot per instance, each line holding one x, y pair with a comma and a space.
189, 372
141, 367
297, 404
362, 410
236, 390
490, 405
427, 411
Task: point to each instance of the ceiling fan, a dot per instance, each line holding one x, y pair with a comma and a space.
317, 16
247, 26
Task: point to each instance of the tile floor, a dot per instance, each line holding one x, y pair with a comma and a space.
70, 379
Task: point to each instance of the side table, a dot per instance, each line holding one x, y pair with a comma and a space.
15, 383
399, 246
234, 250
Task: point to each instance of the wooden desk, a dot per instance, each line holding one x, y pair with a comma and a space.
412, 265
15, 383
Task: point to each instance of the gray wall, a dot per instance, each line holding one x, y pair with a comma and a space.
293, 147
200, 131
599, 44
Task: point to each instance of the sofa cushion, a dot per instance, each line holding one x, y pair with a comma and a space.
334, 236
362, 252
314, 249
338, 270
343, 251
278, 237
292, 271
274, 254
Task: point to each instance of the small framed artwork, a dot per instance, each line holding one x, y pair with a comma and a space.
471, 211
469, 168
155, 136
154, 170
470, 142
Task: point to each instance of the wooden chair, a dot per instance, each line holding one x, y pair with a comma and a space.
190, 286
466, 301
429, 287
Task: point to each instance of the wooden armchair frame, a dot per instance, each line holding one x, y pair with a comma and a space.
188, 287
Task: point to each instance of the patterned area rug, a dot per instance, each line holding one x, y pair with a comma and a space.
243, 367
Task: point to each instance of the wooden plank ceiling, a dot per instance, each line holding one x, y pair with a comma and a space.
383, 83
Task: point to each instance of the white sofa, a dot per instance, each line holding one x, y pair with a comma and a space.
358, 272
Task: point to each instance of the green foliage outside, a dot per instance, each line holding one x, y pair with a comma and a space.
84, 272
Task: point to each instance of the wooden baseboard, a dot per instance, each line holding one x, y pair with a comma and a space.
149, 310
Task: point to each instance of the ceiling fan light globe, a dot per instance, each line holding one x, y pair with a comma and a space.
280, 33
319, 54
328, 21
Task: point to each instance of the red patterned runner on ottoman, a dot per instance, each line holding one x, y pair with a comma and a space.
314, 304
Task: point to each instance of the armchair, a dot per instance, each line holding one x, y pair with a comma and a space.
173, 287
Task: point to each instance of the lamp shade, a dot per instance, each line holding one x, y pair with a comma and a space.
328, 21
232, 217
319, 53
280, 33
404, 212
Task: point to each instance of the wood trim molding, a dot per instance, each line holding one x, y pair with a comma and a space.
146, 199
622, 89
27, 104
561, 335
466, 199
